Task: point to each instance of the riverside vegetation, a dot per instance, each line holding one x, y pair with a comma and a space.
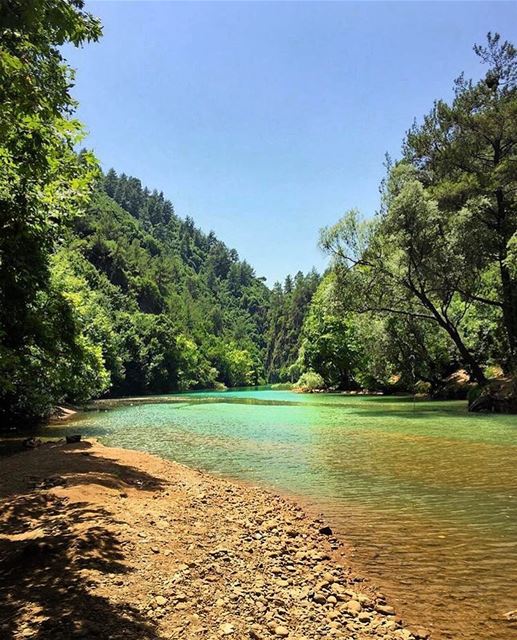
104, 289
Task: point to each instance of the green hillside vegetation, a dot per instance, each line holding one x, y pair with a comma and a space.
105, 290
171, 308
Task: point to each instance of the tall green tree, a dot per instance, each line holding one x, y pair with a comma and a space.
330, 341
42, 182
404, 262
466, 157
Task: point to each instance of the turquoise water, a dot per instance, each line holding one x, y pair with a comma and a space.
424, 493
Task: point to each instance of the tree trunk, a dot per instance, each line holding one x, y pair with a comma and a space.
509, 301
468, 358
445, 323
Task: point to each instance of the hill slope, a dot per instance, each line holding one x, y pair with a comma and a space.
169, 306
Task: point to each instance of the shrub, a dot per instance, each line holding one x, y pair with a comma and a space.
310, 381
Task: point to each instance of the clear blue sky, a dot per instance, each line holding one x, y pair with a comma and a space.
266, 121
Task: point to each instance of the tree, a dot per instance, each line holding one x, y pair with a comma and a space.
42, 179
405, 262
330, 344
287, 310
465, 155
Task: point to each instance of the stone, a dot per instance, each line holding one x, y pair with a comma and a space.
326, 531
281, 631
320, 598
386, 610
226, 629
353, 607
160, 601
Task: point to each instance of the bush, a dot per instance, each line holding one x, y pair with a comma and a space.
310, 381
282, 386
473, 393
422, 387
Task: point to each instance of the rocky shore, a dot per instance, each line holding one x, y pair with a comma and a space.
113, 544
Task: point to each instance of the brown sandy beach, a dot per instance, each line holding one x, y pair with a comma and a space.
108, 543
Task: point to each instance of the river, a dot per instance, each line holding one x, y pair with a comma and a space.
424, 493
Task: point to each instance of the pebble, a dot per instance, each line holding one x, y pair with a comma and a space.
385, 609
281, 631
353, 607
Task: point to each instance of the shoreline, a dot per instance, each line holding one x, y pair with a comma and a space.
98, 542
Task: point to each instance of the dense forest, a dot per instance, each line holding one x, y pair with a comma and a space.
105, 290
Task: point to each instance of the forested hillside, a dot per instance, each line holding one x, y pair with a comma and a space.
104, 289
183, 311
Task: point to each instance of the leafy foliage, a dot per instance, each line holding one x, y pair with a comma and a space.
42, 182
436, 266
310, 381
287, 311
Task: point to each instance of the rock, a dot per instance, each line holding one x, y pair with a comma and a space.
226, 628
386, 610
160, 601
511, 615
332, 600
326, 531
281, 631
497, 396
353, 607
320, 598
337, 589
31, 443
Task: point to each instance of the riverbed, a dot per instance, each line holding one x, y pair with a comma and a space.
423, 492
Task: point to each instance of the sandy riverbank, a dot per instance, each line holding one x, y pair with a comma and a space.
108, 543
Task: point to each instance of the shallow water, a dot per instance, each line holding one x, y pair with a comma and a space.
424, 492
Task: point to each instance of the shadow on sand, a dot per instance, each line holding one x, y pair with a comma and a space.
52, 549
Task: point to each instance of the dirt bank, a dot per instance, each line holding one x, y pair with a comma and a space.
114, 544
